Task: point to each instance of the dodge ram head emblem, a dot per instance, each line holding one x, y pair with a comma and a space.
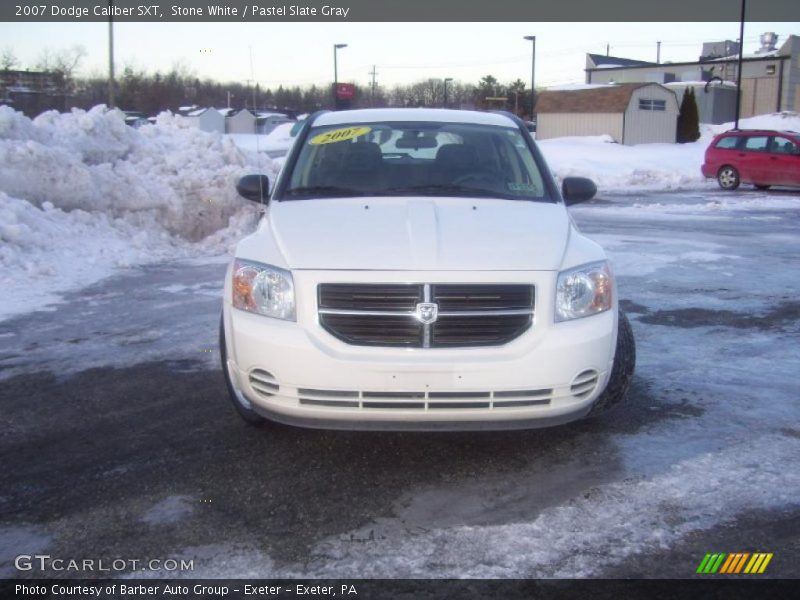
427, 312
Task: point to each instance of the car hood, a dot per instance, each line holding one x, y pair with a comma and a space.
420, 234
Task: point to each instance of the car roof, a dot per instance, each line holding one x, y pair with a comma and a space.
433, 115
757, 131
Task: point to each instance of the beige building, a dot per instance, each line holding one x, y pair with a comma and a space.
631, 113
242, 121
770, 77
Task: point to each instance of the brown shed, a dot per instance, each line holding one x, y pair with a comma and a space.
631, 113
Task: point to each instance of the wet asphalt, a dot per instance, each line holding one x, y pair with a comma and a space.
118, 439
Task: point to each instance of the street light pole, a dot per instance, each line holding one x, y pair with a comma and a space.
446, 79
532, 39
111, 101
336, 73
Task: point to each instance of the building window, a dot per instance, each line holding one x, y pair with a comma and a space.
770, 69
650, 104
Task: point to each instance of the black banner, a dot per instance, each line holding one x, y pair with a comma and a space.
395, 10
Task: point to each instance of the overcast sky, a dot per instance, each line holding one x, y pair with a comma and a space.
301, 53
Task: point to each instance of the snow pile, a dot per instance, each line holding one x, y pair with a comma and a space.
176, 175
82, 193
276, 141
616, 167
782, 121
43, 250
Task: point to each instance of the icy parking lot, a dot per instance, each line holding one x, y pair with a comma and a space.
123, 441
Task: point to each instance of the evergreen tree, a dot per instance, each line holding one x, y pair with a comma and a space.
688, 118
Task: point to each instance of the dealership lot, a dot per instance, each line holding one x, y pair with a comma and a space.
120, 438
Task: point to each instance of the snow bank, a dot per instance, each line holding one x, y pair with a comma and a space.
786, 121
613, 166
181, 177
646, 166
81, 194
277, 140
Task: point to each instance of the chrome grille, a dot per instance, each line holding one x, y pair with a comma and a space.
469, 315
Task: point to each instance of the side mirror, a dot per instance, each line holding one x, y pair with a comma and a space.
254, 187
577, 189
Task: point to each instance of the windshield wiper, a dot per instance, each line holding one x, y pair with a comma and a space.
324, 191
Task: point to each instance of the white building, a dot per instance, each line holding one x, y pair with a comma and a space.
267, 121
631, 113
207, 119
770, 76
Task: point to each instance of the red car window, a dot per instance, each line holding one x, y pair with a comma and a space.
756, 143
783, 145
727, 143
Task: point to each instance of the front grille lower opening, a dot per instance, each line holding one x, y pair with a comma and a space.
584, 384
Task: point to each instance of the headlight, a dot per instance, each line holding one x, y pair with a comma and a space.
263, 289
584, 291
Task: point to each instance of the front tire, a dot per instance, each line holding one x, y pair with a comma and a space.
728, 178
621, 372
240, 403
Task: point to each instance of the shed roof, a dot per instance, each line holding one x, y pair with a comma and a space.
607, 99
601, 60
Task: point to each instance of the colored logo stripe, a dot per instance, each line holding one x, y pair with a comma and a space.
758, 563
711, 563
734, 563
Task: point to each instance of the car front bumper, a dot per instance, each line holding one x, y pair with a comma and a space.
297, 373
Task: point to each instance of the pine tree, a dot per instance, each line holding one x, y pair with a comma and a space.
688, 118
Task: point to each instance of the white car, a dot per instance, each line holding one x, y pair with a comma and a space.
418, 269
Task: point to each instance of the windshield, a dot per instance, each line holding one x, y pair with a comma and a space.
415, 159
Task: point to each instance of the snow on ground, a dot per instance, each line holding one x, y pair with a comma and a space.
615, 167
623, 519
82, 194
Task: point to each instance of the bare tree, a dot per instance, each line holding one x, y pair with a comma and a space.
62, 65
8, 60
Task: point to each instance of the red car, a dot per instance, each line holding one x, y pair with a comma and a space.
762, 157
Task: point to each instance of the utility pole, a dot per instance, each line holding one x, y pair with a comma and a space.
111, 102
372, 93
446, 80
229, 99
739, 68
252, 74
532, 38
608, 49
336, 48
658, 53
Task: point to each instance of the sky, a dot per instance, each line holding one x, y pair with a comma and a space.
302, 53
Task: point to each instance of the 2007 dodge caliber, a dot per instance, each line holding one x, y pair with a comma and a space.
418, 269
